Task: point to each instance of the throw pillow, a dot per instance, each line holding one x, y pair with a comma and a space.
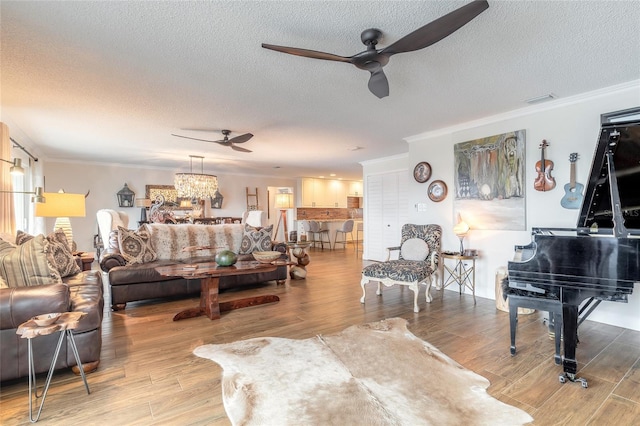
135, 246
414, 249
27, 264
22, 237
255, 239
60, 254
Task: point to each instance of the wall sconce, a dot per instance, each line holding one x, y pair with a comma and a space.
38, 196
125, 197
16, 169
216, 200
461, 229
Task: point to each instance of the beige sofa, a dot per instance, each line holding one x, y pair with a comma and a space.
133, 280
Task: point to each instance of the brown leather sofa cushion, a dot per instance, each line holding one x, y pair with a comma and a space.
86, 295
20, 304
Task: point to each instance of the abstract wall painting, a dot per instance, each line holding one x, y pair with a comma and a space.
490, 182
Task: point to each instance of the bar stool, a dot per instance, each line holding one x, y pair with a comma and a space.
306, 229
318, 234
345, 229
359, 232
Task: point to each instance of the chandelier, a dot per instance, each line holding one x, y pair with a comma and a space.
196, 185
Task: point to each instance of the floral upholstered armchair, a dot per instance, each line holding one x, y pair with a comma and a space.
417, 262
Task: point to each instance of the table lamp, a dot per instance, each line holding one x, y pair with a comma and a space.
461, 229
284, 201
144, 204
62, 206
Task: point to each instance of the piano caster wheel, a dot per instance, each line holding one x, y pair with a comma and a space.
513, 351
572, 378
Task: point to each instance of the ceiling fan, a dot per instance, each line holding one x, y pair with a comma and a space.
226, 141
374, 60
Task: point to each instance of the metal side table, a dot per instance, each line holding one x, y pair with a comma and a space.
30, 330
461, 273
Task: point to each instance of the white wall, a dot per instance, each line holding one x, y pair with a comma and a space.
569, 126
105, 180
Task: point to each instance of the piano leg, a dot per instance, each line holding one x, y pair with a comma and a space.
570, 334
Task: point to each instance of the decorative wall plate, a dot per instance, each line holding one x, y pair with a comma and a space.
422, 172
437, 191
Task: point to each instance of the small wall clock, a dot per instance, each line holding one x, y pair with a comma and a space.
422, 172
437, 191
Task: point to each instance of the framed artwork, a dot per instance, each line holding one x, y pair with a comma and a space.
422, 172
168, 193
437, 191
490, 182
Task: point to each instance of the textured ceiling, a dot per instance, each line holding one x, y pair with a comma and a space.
110, 81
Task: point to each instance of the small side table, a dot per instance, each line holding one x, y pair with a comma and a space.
461, 273
86, 258
30, 330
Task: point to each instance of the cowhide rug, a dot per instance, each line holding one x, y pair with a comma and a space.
372, 374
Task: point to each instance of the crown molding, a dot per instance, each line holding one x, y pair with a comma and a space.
546, 106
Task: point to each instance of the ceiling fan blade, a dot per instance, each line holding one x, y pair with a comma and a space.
241, 138
224, 142
436, 30
239, 148
306, 53
195, 139
378, 83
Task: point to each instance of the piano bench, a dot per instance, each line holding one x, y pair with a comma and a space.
552, 306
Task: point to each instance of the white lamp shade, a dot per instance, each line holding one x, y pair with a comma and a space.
284, 201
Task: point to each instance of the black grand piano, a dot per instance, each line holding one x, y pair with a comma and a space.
576, 269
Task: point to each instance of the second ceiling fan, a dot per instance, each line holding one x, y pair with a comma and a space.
230, 142
374, 60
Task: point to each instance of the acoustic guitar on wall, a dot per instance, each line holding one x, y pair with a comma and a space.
573, 190
544, 181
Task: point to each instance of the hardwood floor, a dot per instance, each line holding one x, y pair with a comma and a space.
148, 374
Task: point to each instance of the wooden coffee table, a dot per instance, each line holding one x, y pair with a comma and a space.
209, 274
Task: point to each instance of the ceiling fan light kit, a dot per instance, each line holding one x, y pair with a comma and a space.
374, 60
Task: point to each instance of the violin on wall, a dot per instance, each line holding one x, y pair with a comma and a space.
544, 181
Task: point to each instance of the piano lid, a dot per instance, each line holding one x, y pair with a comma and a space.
596, 214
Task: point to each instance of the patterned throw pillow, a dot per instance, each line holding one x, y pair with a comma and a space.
414, 249
60, 255
22, 237
27, 264
135, 246
256, 239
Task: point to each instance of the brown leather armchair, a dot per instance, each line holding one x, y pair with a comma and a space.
81, 292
